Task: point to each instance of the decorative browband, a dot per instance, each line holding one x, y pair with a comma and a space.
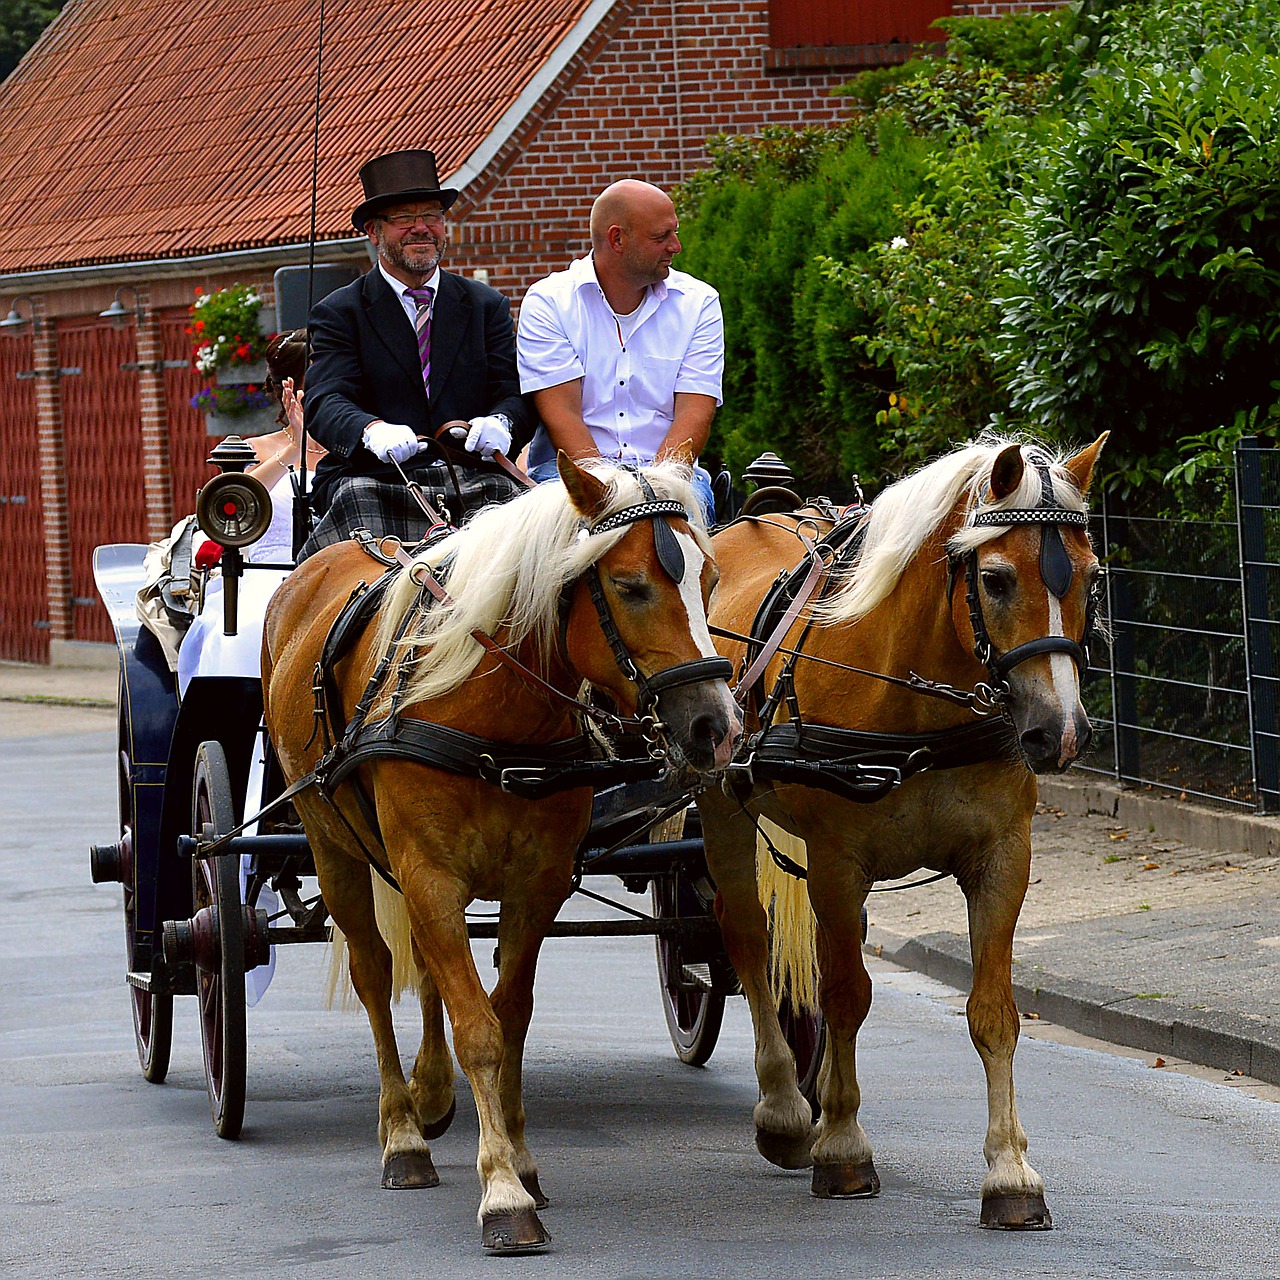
642, 511
1029, 515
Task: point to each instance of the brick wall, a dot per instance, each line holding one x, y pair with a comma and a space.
639, 101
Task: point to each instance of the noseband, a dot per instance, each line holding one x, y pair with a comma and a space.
671, 558
1056, 571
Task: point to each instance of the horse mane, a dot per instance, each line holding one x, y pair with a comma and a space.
507, 568
914, 509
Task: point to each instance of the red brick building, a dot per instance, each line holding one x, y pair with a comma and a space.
151, 148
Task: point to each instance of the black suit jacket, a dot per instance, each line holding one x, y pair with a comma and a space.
365, 366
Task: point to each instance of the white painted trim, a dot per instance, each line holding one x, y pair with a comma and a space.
279, 255
543, 78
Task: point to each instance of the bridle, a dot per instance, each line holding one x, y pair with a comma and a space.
1056, 571
671, 558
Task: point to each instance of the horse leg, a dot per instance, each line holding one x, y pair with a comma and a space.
1012, 1192
508, 1221
344, 882
520, 933
431, 1080
842, 1163
783, 1118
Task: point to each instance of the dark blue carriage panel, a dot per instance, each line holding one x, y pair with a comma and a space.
146, 713
224, 709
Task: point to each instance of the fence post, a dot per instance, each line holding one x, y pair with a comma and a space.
1259, 648
1124, 712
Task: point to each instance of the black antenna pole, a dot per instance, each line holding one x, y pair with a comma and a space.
302, 499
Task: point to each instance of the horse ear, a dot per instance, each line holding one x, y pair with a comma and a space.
1006, 471
683, 454
589, 494
1081, 465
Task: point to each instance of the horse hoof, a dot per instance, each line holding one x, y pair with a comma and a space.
409, 1169
437, 1127
534, 1188
845, 1181
516, 1231
787, 1151
1016, 1213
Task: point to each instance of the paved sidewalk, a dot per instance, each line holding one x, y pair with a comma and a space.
1149, 922
1129, 933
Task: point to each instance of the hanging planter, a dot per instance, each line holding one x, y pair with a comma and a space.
230, 347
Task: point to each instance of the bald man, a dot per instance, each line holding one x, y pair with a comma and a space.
623, 354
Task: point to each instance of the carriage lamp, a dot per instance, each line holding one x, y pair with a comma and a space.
15, 319
118, 313
234, 510
773, 492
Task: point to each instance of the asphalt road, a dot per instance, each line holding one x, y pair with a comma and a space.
649, 1164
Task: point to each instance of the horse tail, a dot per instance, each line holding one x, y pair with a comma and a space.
793, 968
393, 923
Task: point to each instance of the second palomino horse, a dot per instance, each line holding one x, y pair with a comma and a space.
975, 571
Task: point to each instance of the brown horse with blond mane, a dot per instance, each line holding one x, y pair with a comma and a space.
939, 672
601, 578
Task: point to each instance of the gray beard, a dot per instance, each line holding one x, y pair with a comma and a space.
394, 256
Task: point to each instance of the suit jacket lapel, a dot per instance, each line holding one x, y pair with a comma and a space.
449, 321
388, 320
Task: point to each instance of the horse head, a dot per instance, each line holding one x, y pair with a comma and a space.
637, 619
1028, 608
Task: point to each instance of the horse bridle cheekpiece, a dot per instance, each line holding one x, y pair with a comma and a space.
1055, 569
671, 558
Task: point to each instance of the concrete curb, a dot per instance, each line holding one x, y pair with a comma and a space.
1211, 1037
1164, 1027
1194, 824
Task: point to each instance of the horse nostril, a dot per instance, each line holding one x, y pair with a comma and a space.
708, 729
1038, 745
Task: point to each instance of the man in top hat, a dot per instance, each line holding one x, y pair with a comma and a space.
406, 354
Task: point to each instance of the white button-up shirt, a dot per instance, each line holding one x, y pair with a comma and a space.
631, 366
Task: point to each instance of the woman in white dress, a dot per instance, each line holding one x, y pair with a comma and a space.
205, 651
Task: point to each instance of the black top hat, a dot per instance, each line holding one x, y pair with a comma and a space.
397, 176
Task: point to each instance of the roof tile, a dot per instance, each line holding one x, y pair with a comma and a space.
152, 128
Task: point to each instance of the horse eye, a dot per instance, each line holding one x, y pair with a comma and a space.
998, 583
631, 591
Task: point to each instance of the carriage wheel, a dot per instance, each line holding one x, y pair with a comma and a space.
694, 1012
805, 1031
215, 884
152, 1010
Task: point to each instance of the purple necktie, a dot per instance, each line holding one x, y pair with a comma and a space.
422, 324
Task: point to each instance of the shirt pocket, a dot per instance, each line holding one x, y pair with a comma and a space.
655, 389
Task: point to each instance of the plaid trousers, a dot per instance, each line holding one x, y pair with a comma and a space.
361, 502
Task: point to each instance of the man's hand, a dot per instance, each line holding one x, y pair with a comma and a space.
391, 441
489, 435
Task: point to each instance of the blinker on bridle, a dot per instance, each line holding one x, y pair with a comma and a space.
671, 558
1056, 571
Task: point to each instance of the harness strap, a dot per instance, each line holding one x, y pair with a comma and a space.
530, 771
817, 567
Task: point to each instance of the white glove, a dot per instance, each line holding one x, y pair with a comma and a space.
391, 441
489, 436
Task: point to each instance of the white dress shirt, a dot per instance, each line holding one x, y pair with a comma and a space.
411, 307
631, 366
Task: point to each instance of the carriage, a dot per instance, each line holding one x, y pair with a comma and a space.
976, 570
191, 770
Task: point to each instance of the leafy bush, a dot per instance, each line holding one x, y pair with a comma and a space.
760, 219
1021, 44
1145, 259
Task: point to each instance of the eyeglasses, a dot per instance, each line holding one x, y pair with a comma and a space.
403, 221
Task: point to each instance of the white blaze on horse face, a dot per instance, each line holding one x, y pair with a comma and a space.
1065, 683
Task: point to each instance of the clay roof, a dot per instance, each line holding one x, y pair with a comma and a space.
139, 129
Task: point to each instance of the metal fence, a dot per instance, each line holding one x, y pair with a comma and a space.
1186, 698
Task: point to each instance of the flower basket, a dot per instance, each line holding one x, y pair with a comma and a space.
239, 375
256, 422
